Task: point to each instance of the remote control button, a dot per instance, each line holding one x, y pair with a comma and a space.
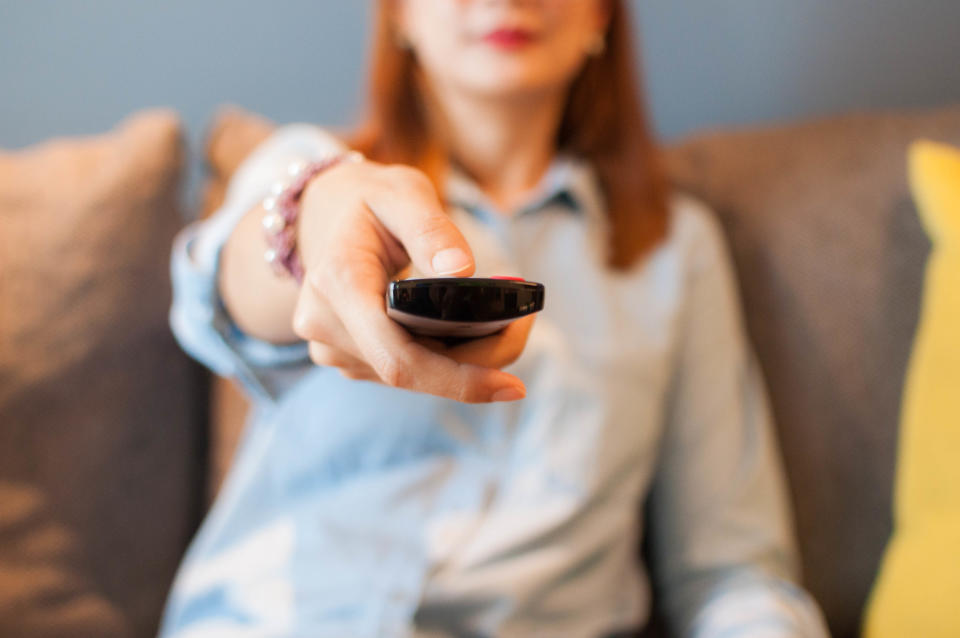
508, 278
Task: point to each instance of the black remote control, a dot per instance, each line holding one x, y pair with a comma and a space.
454, 307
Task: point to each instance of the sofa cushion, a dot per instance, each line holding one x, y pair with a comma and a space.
100, 431
830, 256
918, 586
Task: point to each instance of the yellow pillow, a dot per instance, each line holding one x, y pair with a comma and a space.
918, 590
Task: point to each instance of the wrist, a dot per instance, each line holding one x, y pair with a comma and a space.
282, 213
321, 194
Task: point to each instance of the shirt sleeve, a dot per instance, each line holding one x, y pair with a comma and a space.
724, 559
197, 316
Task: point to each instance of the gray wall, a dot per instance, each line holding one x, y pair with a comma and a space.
70, 67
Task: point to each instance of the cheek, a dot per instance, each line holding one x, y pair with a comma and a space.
444, 58
574, 25
440, 45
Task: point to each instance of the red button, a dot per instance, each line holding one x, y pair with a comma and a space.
507, 278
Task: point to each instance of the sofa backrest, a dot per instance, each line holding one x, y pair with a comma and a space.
101, 429
830, 257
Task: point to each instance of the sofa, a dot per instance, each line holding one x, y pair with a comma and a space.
112, 442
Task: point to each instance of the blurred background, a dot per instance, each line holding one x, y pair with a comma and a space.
71, 67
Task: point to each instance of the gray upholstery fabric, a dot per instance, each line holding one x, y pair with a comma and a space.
830, 256
100, 413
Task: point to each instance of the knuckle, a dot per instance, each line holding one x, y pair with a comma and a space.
301, 325
314, 280
394, 372
410, 182
305, 326
420, 182
407, 176
433, 229
338, 272
463, 393
320, 355
349, 280
388, 175
354, 374
325, 274
321, 361
309, 322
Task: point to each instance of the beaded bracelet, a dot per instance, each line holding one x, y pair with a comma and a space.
282, 208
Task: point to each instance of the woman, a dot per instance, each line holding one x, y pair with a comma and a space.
392, 486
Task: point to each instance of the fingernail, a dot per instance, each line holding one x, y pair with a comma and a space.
508, 394
450, 261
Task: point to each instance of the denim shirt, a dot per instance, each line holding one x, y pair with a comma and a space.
358, 510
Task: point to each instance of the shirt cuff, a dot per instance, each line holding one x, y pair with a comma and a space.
205, 330
758, 607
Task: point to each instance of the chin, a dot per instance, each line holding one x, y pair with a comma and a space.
512, 79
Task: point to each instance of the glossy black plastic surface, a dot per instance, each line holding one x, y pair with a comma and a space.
466, 299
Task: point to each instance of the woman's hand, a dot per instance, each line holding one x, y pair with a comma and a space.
361, 224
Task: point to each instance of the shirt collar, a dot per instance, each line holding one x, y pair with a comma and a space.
568, 179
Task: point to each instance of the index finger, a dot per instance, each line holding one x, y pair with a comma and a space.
409, 209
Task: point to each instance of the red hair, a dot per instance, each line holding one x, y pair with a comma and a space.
604, 122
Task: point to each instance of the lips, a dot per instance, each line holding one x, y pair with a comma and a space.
507, 38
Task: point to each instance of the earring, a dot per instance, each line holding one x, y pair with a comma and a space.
597, 46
